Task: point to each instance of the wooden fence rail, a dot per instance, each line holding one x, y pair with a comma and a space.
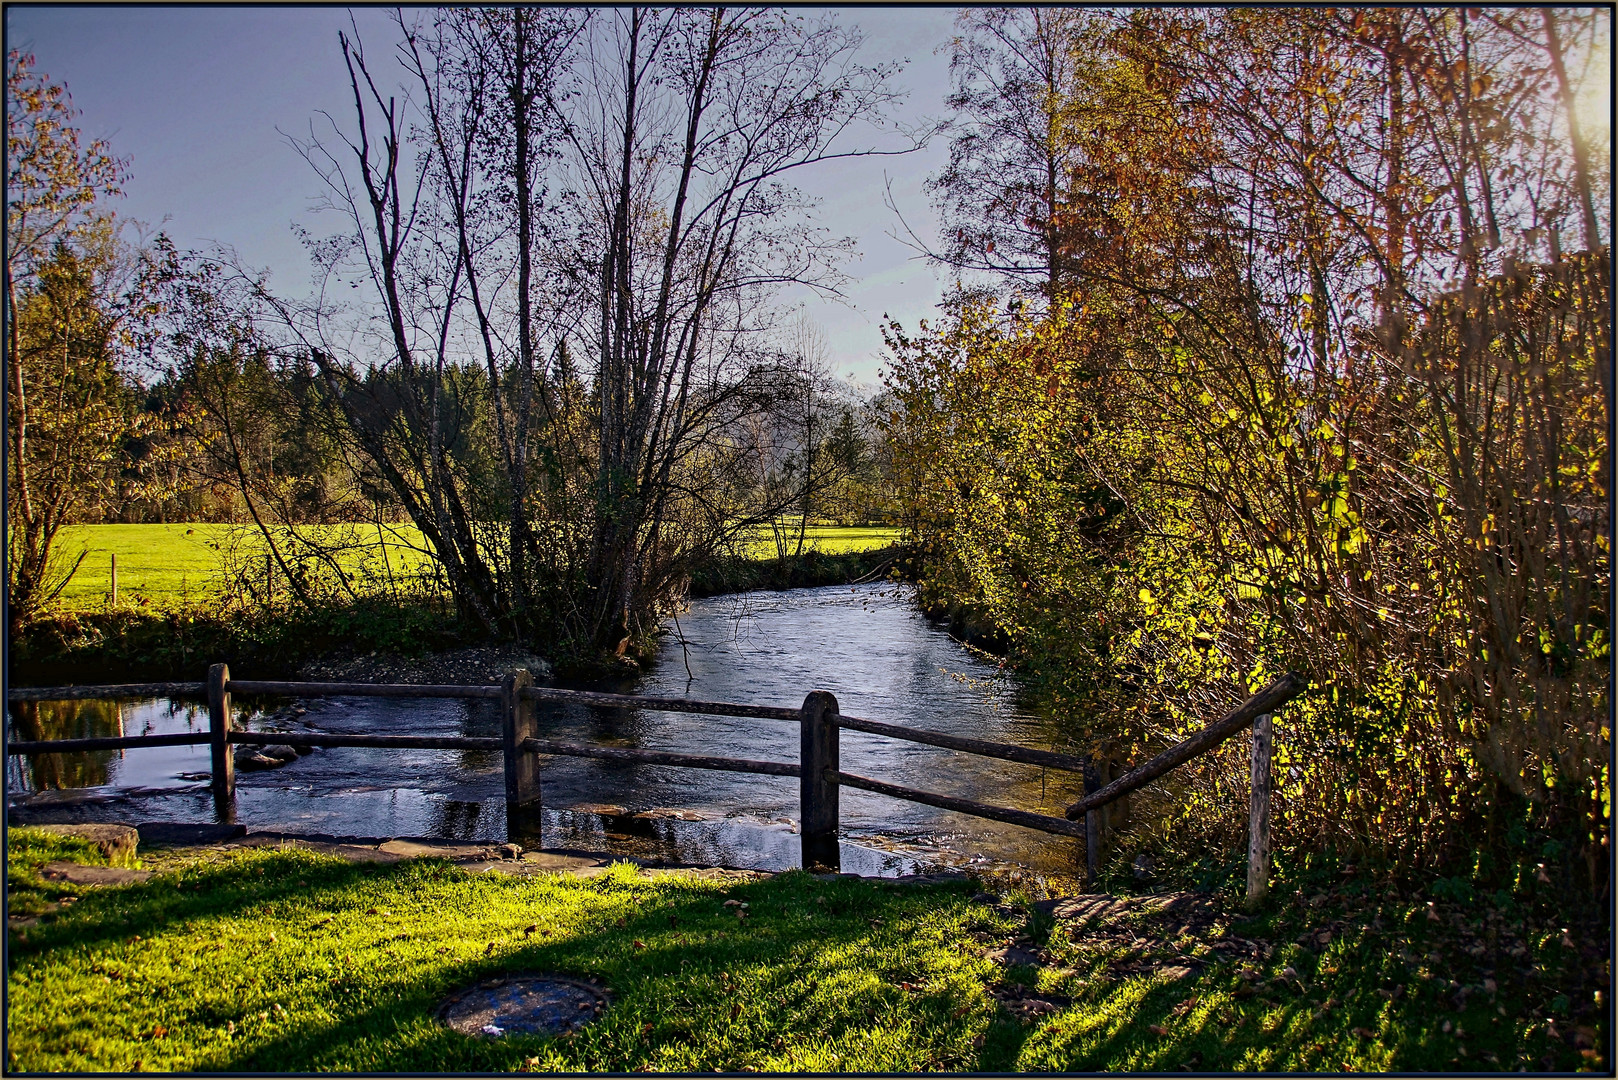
818, 768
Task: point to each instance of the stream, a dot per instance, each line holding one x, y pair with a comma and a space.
866, 644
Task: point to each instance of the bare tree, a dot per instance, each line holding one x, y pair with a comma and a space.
614, 183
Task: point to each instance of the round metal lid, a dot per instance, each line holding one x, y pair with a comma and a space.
522, 1005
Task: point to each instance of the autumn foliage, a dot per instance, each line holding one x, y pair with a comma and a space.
1310, 382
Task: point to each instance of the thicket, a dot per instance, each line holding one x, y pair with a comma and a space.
1305, 380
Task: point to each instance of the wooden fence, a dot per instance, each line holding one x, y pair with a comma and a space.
818, 768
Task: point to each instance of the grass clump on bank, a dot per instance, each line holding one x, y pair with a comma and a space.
292, 961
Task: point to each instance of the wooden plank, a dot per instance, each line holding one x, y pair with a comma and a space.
1004, 751
659, 704
108, 692
381, 742
818, 762
224, 765
660, 757
127, 742
1258, 820
351, 689
1278, 693
1042, 822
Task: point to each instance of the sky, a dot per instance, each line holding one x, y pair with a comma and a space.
200, 101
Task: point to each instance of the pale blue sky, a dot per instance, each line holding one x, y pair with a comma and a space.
194, 96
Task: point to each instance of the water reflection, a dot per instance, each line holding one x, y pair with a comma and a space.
40, 720
170, 766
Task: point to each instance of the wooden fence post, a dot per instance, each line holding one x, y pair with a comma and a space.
818, 763
114, 603
522, 767
1258, 823
1092, 827
224, 764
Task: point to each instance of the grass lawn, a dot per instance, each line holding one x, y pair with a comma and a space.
292, 961
827, 539
175, 565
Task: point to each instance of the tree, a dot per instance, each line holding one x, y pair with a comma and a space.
78, 305
1020, 79
613, 183
1321, 393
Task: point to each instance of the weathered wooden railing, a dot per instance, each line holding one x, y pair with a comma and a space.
818, 768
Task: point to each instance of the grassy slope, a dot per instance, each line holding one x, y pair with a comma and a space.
174, 564
293, 961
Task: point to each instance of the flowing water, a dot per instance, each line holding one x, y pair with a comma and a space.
866, 644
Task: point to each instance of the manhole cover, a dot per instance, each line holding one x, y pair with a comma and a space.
523, 1005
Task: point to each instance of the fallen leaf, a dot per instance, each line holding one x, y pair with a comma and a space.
735, 1010
962, 1011
1158, 1029
639, 944
733, 903
160, 1032
1365, 1033
529, 929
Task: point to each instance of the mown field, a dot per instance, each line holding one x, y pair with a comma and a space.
291, 961
175, 565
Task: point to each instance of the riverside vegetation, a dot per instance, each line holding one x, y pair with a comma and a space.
292, 961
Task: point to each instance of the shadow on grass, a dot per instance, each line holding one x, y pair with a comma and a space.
685, 974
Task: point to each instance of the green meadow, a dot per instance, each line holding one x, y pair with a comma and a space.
179, 564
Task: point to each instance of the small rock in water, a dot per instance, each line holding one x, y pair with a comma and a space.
1145, 867
253, 761
280, 752
510, 851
